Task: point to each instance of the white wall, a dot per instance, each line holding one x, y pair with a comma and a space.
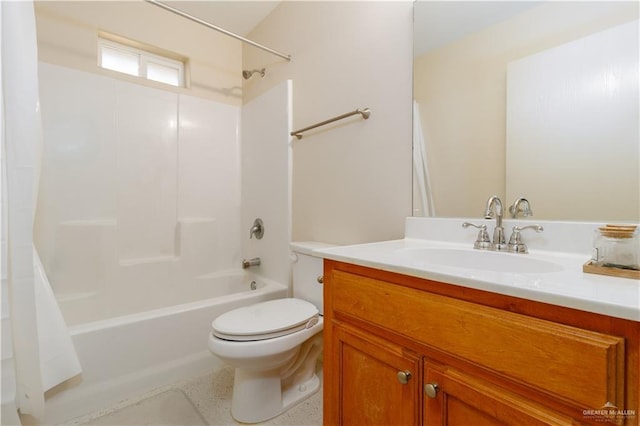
352, 180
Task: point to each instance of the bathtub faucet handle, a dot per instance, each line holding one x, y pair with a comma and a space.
257, 229
251, 262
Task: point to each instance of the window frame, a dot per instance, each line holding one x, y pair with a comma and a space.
144, 58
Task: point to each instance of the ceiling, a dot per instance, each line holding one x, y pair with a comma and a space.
437, 23
237, 16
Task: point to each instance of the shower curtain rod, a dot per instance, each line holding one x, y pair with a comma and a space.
364, 112
215, 27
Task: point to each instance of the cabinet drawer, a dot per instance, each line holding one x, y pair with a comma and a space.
581, 367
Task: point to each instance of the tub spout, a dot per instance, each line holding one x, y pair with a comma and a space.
251, 262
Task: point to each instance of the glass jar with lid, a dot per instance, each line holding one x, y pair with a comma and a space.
617, 246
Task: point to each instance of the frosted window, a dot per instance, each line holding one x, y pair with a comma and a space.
163, 73
133, 61
118, 60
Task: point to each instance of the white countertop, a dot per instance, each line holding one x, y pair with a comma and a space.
567, 286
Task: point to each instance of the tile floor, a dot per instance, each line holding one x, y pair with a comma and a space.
204, 400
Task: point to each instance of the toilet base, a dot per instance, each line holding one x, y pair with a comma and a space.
298, 393
259, 396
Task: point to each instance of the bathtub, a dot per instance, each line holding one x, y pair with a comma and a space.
128, 355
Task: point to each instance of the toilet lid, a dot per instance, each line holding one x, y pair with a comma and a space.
265, 320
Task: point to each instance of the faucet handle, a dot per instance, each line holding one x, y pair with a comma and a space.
257, 229
515, 243
482, 241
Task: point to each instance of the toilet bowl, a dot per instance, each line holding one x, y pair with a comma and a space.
274, 345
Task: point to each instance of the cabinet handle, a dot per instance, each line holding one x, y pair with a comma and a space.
431, 389
404, 376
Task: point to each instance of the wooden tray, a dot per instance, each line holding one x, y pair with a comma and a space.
613, 272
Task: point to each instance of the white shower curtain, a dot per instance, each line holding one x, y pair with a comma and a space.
420, 170
42, 349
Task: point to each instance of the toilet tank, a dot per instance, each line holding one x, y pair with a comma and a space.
306, 270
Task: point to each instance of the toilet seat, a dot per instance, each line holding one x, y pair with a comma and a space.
265, 320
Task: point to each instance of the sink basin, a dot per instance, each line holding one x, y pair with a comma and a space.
477, 259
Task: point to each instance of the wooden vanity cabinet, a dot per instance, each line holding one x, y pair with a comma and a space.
401, 350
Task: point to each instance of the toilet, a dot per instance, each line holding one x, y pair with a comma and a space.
274, 345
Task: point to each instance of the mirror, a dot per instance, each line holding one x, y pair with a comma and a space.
470, 125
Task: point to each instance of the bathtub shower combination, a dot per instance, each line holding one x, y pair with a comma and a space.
127, 354
141, 238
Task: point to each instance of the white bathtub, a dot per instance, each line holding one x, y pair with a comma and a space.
128, 355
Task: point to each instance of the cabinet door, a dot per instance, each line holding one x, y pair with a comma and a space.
379, 383
454, 398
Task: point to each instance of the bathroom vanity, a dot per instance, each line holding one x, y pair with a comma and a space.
407, 344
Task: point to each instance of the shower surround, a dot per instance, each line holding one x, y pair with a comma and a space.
143, 219
140, 193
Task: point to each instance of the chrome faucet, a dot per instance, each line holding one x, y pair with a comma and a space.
520, 205
251, 262
494, 210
